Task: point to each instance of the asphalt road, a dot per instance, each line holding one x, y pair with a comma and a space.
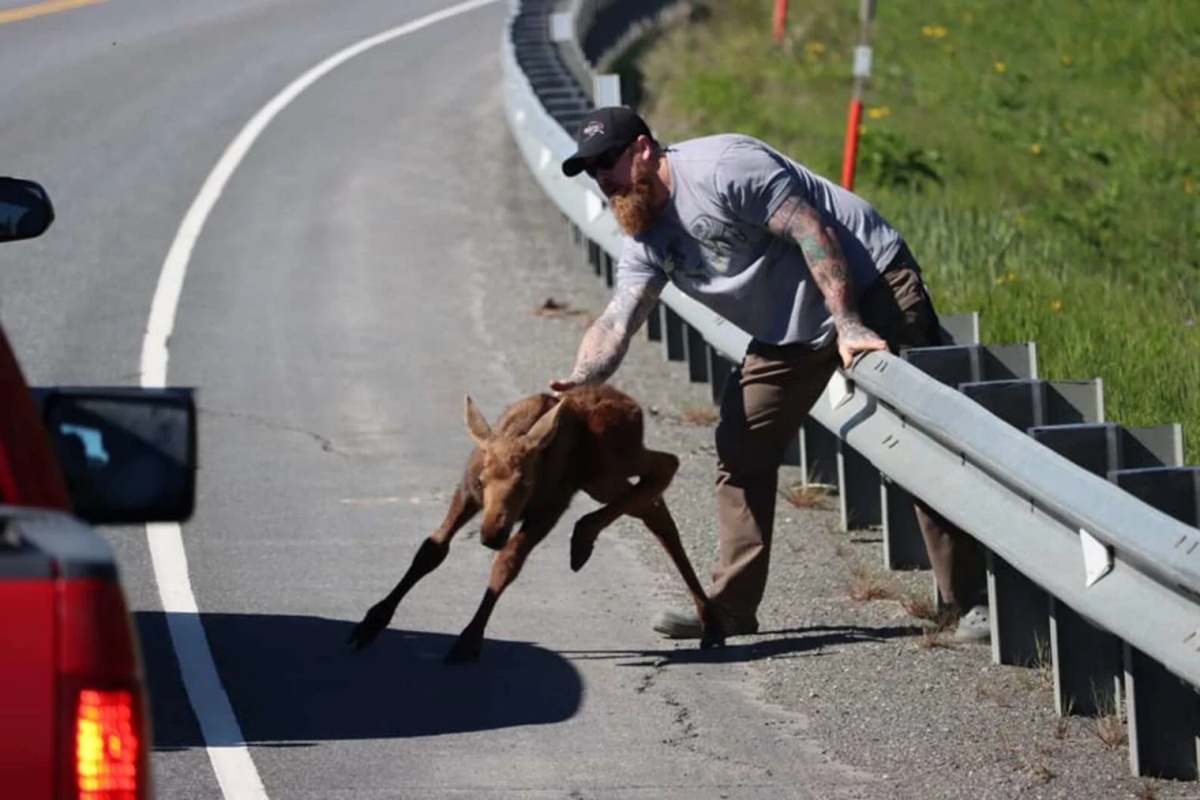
334, 313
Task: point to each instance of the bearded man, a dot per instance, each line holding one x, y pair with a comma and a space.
811, 271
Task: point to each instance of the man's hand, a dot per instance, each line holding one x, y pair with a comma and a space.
855, 338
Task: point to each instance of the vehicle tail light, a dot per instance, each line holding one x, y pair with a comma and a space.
107, 745
105, 733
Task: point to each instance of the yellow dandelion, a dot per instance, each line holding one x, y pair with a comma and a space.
878, 113
999, 281
815, 47
1188, 187
940, 33
1012, 277
1000, 67
927, 30
1066, 61
1056, 305
1036, 148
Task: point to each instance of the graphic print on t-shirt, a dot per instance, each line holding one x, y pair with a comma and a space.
718, 238
678, 261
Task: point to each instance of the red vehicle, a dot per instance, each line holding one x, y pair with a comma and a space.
75, 722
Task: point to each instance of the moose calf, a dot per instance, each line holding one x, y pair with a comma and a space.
524, 472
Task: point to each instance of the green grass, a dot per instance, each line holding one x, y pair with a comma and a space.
1042, 158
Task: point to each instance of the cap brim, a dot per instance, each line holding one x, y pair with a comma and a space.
575, 164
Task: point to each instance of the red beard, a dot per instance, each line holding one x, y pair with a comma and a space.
635, 209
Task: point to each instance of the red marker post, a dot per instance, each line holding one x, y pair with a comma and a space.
781, 9
862, 71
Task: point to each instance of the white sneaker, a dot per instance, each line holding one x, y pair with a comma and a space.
974, 626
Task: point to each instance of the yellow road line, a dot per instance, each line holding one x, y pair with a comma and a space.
40, 9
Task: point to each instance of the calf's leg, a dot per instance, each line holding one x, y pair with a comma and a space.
429, 556
505, 568
660, 522
655, 471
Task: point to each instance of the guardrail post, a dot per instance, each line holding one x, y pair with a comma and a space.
719, 369
673, 339
792, 457
1026, 403
1163, 715
858, 480
1020, 616
606, 90
1010, 361
960, 328
1087, 664
1163, 712
697, 354
903, 545
1172, 490
593, 255
654, 324
1153, 446
818, 454
561, 29
1075, 401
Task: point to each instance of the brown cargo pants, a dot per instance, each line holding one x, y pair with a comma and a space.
761, 411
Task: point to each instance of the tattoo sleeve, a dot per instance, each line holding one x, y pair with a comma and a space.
607, 340
799, 222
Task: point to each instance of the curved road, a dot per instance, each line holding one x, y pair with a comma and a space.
331, 318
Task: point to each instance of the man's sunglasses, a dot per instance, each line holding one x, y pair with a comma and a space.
605, 161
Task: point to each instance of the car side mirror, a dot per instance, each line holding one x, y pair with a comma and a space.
127, 455
25, 210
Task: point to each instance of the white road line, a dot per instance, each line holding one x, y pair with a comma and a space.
231, 761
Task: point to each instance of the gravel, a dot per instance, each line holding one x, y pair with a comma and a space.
879, 691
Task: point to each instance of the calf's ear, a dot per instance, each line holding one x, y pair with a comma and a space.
477, 426
542, 432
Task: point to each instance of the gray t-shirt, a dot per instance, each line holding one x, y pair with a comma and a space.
712, 241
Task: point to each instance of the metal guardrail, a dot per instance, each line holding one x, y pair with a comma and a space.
1080, 557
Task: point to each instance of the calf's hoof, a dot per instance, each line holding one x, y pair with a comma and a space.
373, 623
464, 651
581, 551
583, 541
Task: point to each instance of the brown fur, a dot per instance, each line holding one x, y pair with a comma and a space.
523, 474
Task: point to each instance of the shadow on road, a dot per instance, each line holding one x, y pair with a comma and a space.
792, 642
292, 680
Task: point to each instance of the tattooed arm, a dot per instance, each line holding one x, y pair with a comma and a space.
799, 222
607, 340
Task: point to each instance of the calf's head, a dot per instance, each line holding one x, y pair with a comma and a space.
510, 472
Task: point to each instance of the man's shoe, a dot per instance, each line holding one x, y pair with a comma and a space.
686, 625
974, 626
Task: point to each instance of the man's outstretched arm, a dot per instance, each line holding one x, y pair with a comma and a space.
607, 340
799, 222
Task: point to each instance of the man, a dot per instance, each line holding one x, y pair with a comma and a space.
811, 271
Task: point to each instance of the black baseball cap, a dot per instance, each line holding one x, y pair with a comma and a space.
602, 130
